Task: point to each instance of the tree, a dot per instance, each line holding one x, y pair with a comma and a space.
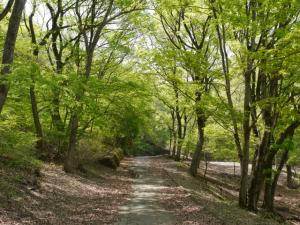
257, 33
92, 19
9, 45
190, 36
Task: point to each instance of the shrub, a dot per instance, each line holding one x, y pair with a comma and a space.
17, 149
92, 150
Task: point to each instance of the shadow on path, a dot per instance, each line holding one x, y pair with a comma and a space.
144, 207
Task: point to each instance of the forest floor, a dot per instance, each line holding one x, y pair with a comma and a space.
225, 177
142, 191
58, 198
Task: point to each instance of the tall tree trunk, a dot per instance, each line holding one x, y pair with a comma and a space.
268, 186
56, 118
221, 34
197, 154
172, 134
36, 118
58, 124
74, 121
73, 128
181, 134
179, 148
271, 184
254, 160
179, 124
33, 99
175, 142
263, 170
260, 167
258, 175
170, 142
9, 47
247, 132
57, 121
57, 49
243, 183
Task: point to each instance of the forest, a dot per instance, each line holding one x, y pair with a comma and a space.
150, 112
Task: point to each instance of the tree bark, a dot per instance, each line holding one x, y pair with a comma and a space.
268, 186
172, 135
197, 154
56, 118
33, 99
9, 48
174, 148
258, 176
179, 148
263, 171
69, 164
271, 184
179, 125
247, 131
57, 49
36, 118
170, 142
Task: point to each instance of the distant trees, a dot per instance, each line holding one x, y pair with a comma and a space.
190, 38
252, 46
73, 48
93, 20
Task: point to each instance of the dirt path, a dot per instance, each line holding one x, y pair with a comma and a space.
197, 202
143, 191
144, 207
157, 199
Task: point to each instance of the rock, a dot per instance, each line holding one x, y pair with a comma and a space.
109, 161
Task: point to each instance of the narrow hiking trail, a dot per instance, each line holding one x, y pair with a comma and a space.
164, 193
144, 205
157, 199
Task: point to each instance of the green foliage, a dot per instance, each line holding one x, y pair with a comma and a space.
93, 148
219, 144
140, 76
294, 154
17, 148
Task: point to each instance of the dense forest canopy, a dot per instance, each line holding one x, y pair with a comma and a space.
203, 79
